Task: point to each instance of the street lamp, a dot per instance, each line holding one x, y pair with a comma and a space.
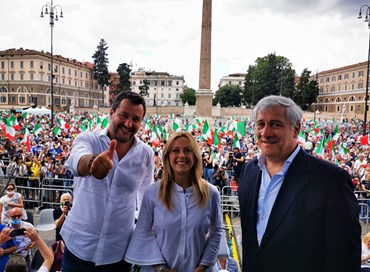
367, 17
55, 12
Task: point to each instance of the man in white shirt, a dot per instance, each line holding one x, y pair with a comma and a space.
112, 169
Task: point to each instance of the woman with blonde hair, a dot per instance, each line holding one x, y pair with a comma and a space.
179, 226
365, 255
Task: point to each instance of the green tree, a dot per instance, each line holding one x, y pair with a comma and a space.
144, 88
100, 70
271, 75
228, 96
306, 90
188, 95
124, 72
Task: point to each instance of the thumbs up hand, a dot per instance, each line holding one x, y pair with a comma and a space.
103, 163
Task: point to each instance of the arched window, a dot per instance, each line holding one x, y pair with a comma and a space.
22, 89
3, 89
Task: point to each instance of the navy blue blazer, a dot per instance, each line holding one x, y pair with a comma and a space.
313, 226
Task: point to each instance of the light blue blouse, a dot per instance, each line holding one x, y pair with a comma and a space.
182, 238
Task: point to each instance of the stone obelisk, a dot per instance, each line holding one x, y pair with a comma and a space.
203, 106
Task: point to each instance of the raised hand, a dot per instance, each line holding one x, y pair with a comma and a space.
103, 163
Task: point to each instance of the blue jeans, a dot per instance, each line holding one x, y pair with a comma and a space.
72, 263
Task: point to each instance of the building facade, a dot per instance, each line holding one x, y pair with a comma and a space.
342, 90
164, 89
25, 80
233, 79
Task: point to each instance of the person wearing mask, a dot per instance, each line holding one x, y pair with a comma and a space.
10, 200
180, 212
60, 213
112, 169
23, 243
298, 212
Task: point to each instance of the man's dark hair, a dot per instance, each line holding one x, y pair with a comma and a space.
133, 97
16, 263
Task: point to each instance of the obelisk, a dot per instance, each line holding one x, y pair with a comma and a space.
203, 106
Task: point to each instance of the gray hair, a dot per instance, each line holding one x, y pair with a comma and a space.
293, 111
66, 194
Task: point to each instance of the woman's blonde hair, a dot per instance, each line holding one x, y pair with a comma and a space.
200, 185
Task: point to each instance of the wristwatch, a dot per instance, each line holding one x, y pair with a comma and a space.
162, 268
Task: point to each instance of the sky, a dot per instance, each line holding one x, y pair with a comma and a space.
164, 35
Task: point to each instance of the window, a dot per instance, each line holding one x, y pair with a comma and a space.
63, 70
3, 90
41, 64
327, 79
332, 89
63, 81
353, 86
11, 76
31, 77
162, 95
69, 71
3, 99
321, 80
332, 78
31, 63
12, 64
22, 100
345, 87
360, 73
177, 82
80, 74
2, 65
69, 82
2, 76
345, 76
169, 95
353, 74
360, 85
22, 76
339, 88
21, 64
339, 77
49, 67
75, 73
12, 99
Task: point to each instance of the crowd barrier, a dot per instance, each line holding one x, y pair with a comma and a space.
38, 194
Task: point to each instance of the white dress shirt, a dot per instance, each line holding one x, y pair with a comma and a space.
182, 238
99, 225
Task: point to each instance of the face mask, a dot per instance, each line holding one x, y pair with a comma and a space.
16, 221
10, 192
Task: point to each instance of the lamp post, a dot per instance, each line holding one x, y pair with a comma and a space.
55, 12
367, 17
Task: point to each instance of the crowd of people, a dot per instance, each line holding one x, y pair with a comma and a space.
168, 170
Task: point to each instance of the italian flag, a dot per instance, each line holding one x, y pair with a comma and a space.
301, 138
336, 134
176, 126
37, 129
208, 133
63, 123
155, 137
56, 130
13, 122
26, 139
236, 142
240, 126
8, 130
